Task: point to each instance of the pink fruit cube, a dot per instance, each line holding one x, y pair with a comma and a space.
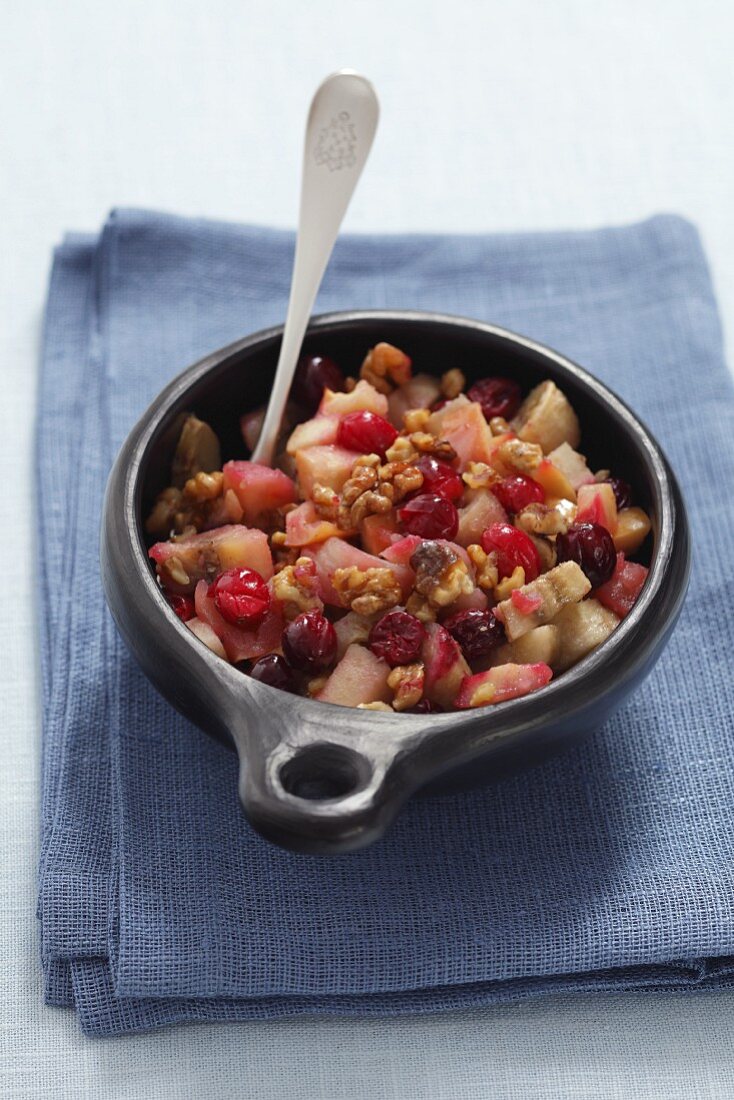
463, 425
401, 551
351, 629
258, 488
181, 564
313, 433
419, 393
329, 465
597, 504
363, 397
304, 526
445, 666
206, 635
240, 643
501, 683
572, 465
379, 532
360, 677
620, 593
480, 512
337, 554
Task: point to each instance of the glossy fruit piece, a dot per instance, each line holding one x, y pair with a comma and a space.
314, 374
591, 546
477, 632
352, 629
622, 492
596, 504
496, 396
182, 606
429, 516
240, 643
397, 638
241, 596
181, 564
572, 465
462, 424
206, 635
274, 671
537, 646
419, 393
546, 417
366, 433
581, 627
633, 527
318, 432
309, 642
501, 683
512, 548
401, 551
546, 595
440, 477
445, 666
481, 510
250, 426
620, 593
470, 601
337, 554
554, 482
363, 397
329, 465
378, 532
360, 677
516, 492
258, 488
304, 526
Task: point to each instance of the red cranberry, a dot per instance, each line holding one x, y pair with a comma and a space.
241, 596
309, 642
439, 477
439, 404
397, 638
366, 432
622, 491
425, 706
313, 374
477, 632
591, 546
497, 396
515, 493
183, 606
512, 547
273, 671
430, 516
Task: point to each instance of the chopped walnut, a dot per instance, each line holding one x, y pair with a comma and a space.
201, 504
296, 587
499, 426
420, 607
521, 456
326, 502
375, 706
415, 420
485, 566
402, 450
173, 567
374, 489
204, 486
440, 574
452, 383
516, 580
278, 538
197, 449
384, 367
542, 519
478, 475
428, 444
350, 384
367, 591
406, 683
402, 477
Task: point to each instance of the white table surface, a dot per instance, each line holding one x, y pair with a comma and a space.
496, 115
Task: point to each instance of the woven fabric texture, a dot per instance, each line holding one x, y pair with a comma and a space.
607, 868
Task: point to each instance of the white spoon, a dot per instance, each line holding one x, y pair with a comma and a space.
339, 132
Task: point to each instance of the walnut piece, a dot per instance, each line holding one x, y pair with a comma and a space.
478, 475
541, 519
427, 444
452, 383
401, 450
521, 456
485, 566
197, 450
374, 489
499, 426
420, 607
440, 574
326, 502
415, 420
406, 683
296, 586
504, 587
367, 591
385, 366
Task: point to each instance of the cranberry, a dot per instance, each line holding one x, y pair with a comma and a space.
622, 491
477, 632
313, 374
273, 671
512, 547
366, 432
183, 606
591, 546
439, 404
425, 706
439, 477
497, 396
515, 493
397, 638
241, 596
430, 516
309, 642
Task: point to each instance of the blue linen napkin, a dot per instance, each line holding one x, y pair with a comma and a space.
608, 868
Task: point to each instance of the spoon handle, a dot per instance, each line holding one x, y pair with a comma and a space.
339, 133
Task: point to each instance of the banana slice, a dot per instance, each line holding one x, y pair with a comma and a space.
546, 417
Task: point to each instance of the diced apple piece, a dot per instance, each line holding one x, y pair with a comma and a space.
620, 593
251, 425
597, 504
546, 417
329, 465
379, 531
481, 511
540, 601
360, 677
581, 627
554, 482
351, 629
304, 526
181, 564
197, 451
240, 643
633, 527
258, 488
572, 465
537, 646
318, 432
337, 554
463, 425
444, 664
419, 393
363, 397
206, 635
401, 551
435, 424
501, 683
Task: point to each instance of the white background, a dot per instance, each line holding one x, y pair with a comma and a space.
496, 115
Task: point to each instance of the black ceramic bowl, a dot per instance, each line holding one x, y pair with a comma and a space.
321, 778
